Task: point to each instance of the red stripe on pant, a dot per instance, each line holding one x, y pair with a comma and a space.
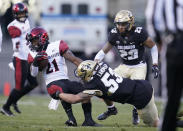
18, 74
53, 89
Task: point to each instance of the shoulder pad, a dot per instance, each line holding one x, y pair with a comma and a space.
14, 31
138, 30
63, 47
114, 30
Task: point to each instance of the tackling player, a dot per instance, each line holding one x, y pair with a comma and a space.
17, 30
129, 40
102, 81
55, 72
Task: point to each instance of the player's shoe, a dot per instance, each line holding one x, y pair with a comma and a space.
15, 107
91, 123
179, 123
109, 112
71, 123
135, 116
6, 111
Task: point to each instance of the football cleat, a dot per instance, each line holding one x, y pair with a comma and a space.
15, 107
71, 123
93, 92
179, 123
6, 112
135, 116
91, 123
109, 112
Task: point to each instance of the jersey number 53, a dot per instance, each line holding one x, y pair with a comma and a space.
113, 82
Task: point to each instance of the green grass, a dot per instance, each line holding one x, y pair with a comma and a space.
37, 117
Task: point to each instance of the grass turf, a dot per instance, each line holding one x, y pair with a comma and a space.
36, 116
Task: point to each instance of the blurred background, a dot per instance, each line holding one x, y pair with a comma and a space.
83, 24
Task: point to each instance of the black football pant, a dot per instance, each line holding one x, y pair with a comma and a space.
174, 83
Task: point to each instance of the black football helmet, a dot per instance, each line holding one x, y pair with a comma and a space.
37, 39
20, 12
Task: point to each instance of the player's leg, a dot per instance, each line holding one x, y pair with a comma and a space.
60, 86
30, 85
111, 110
149, 114
137, 73
75, 88
20, 77
87, 110
68, 110
121, 70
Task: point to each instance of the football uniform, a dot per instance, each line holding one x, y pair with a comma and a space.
131, 50
57, 68
123, 90
18, 30
56, 74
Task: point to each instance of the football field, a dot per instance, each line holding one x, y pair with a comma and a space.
36, 116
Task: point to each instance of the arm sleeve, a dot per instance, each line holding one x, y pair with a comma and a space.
1, 38
63, 47
100, 55
34, 70
154, 54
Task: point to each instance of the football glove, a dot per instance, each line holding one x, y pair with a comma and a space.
39, 57
93, 92
155, 70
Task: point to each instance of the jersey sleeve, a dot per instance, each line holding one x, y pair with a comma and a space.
112, 36
143, 35
63, 47
30, 58
14, 31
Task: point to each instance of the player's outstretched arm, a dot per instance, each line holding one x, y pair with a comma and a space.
73, 99
72, 58
101, 54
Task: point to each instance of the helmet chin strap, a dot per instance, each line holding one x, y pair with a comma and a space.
22, 19
45, 46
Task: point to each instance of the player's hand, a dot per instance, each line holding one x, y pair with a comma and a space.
39, 57
93, 92
155, 70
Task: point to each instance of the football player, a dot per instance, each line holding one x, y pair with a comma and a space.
129, 40
18, 29
55, 73
102, 81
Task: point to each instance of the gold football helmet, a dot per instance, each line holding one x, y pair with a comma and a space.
85, 70
124, 16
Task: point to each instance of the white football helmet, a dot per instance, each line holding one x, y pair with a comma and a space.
85, 70
124, 17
